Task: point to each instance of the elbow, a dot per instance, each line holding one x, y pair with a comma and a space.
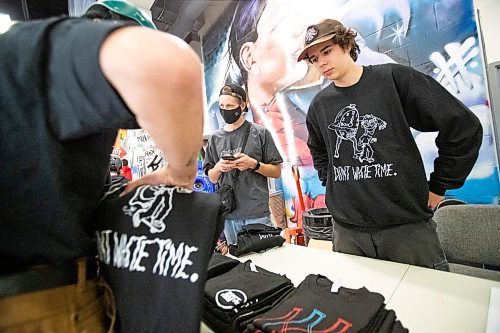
187, 77
276, 172
174, 67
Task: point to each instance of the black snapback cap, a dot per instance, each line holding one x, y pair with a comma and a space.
234, 90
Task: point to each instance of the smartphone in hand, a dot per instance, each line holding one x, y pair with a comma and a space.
228, 157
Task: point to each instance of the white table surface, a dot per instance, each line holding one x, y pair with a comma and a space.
296, 262
425, 300
430, 301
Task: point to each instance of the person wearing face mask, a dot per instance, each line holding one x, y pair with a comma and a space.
244, 164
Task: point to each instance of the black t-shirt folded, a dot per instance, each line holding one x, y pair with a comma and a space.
376, 322
220, 264
259, 228
398, 327
387, 323
220, 322
254, 281
240, 294
256, 237
313, 306
251, 308
243, 320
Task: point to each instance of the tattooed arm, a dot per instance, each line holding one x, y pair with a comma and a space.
163, 88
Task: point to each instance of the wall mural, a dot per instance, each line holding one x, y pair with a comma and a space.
256, 43
139, 149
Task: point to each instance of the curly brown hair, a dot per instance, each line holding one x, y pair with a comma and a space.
345, 38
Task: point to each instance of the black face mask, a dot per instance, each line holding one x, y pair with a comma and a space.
232, 115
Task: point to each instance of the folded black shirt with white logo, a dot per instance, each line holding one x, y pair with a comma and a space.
313, 306
256, 237
241, 294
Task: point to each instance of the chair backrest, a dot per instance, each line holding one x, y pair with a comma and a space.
470, 233
450, 202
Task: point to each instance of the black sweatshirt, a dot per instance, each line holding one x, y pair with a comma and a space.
365, 154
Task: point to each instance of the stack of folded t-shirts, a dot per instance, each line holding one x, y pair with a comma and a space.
220, 264
316, 306
255, 238
235, 298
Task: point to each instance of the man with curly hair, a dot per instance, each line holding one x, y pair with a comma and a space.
365, 154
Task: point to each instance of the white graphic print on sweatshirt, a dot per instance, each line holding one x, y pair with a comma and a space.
346, 126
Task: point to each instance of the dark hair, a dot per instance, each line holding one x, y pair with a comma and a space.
234, 90
103, 13
243, 30
124, 162
345, 38
115, 163
98, 12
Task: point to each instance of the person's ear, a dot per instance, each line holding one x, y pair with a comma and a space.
247, 56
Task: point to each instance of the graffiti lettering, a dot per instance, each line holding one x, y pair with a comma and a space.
155, 163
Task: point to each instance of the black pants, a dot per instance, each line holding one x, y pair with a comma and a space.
413, 243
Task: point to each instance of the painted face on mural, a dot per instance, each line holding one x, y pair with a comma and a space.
280, 30
385, 35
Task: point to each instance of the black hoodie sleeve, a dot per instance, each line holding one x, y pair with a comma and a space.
429, 107
317, 145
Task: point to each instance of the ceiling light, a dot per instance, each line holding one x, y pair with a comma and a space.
5, 23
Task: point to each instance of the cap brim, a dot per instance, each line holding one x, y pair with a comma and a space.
238, 96
303, 54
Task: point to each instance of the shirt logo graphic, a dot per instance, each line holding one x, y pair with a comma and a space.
291, 322
230, 298
346, 126
150, 205
311, 34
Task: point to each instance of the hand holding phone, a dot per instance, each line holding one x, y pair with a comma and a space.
228, 157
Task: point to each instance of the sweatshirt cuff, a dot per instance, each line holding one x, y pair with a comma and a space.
437, 188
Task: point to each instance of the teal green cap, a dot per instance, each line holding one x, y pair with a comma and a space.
126, 9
